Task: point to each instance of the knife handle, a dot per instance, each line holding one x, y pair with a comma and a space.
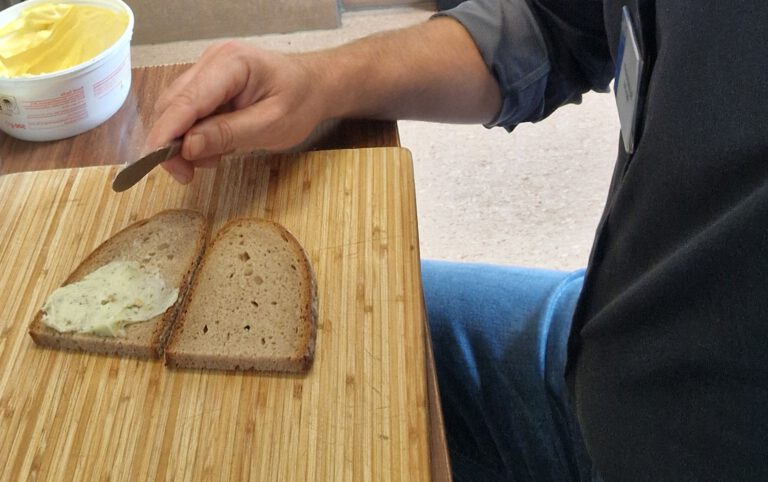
175, 147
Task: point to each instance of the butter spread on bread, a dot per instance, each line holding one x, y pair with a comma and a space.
171, 244
106, 300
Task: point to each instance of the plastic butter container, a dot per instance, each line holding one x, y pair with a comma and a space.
67, 102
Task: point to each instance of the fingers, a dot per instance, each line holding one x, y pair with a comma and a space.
212, 82
265, 125
181, 169
184, 171
176, 86
235, 98
184, 79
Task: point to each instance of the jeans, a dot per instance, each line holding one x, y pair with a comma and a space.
500, 339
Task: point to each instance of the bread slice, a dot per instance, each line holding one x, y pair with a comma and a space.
172, 241
252, 305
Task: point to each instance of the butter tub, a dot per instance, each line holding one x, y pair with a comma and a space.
67, 102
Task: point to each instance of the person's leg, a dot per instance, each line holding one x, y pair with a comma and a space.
500, 337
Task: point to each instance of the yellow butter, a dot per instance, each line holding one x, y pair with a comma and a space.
108, 299
51, 37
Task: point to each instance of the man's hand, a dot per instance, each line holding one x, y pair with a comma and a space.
238, 97
235, 98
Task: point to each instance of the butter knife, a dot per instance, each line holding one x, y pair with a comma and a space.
133, 172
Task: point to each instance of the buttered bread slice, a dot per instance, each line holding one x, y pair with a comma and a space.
124, 297
252, 305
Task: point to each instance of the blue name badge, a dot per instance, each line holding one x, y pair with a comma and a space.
626, 85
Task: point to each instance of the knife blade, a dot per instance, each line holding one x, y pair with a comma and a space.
133, 172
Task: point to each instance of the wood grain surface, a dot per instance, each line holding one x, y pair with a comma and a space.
361, 412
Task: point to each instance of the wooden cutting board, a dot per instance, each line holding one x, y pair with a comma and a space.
359, 414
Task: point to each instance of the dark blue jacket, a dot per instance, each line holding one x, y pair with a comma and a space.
668, 356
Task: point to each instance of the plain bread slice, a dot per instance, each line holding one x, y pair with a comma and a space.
252, 305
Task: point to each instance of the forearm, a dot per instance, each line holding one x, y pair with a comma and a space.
432, 71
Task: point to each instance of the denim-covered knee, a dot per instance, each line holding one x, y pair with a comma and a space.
493, 330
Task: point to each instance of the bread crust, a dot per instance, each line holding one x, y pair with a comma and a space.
146, 339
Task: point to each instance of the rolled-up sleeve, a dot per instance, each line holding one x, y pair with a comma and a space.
543, 53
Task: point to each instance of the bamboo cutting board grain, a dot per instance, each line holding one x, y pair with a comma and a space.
360, 414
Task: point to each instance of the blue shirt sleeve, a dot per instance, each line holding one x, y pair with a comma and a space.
543, 53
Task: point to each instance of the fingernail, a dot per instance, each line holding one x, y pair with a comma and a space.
196, 145
181, 177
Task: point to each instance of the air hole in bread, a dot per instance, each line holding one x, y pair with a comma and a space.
231, 275
263, 341
170, 257
293, 267
248, 272
274, 302
255, 304
244, 256
205, 328
258, 280
247, 328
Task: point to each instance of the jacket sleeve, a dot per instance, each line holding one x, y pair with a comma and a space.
543, 53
